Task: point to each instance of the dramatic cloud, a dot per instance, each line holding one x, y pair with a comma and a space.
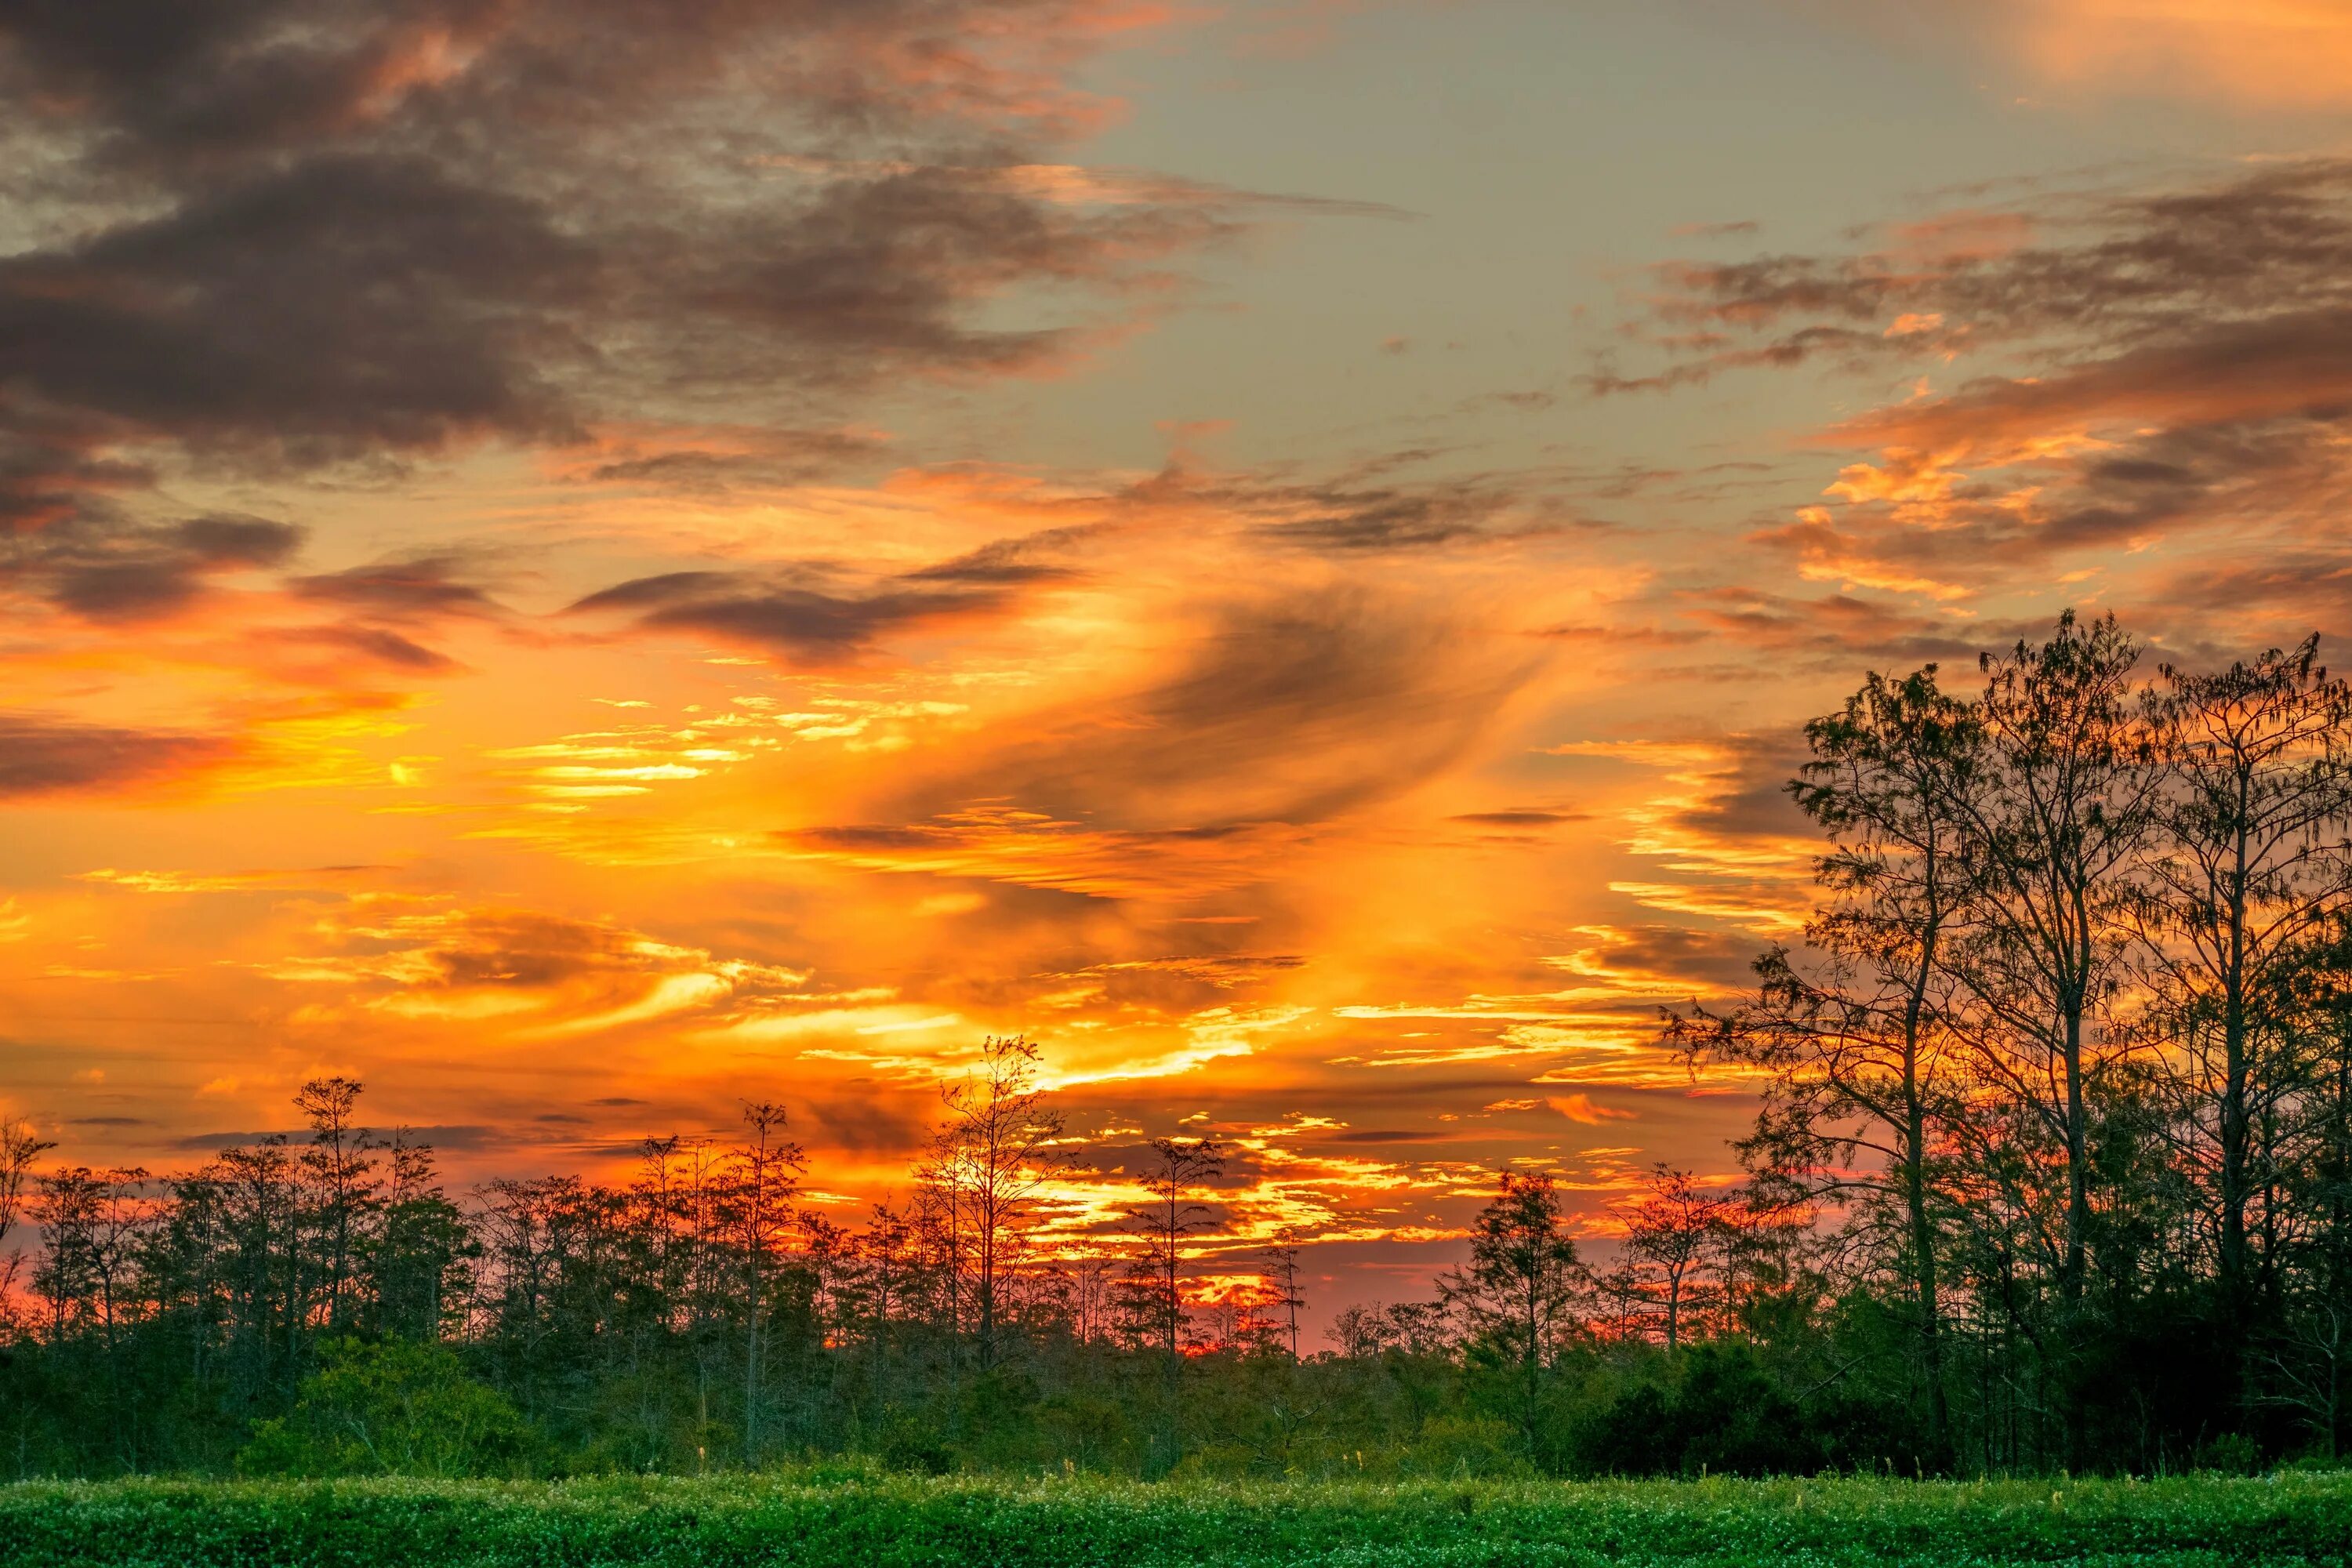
676, 510
110, 571
2148, 369
309, 232
368, 644
1285, 710
2091, 271
418, 588
44, 757
1342, 519
811, 626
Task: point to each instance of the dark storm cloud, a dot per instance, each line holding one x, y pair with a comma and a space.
1174, 985
1746, 793
51, 471
42, 756
158, 82
760, 457
517, 948
1394, 522
2200, 611
865, 1124
1714, 956
882, 271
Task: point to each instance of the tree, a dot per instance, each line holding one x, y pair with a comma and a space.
996, 1155
1282, 1274
1170, 1213
1674, 1230
2068, 798
19, 1149
345, 1181
1092, 1294
2252, 867
1856, 1028
252, 1192
95, 1222
767, 1168
1179, 1166
415, 1260
1520, 1289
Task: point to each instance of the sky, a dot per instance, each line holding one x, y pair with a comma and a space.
583, 563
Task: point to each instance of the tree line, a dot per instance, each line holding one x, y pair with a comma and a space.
2051, 1169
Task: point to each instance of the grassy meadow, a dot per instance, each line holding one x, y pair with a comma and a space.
849, 1519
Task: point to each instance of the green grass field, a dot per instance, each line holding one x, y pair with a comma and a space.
848, 1520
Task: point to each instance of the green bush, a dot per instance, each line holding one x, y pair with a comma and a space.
396, 1409
845, 1518
1465, 1448
911, 1443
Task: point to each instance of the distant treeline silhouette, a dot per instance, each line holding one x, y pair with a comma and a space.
2053, 1169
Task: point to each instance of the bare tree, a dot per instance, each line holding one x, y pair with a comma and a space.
1282, 1273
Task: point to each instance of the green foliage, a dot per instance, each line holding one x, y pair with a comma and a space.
910, 1444
394, 1408
1722, 1414
858, 1519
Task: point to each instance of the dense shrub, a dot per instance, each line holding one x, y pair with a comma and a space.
849, 1518
391, 1409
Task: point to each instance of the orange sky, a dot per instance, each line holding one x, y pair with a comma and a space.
581, 577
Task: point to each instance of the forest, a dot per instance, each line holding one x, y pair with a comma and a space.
2051, 1170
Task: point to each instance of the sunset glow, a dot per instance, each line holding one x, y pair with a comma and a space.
581, 575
